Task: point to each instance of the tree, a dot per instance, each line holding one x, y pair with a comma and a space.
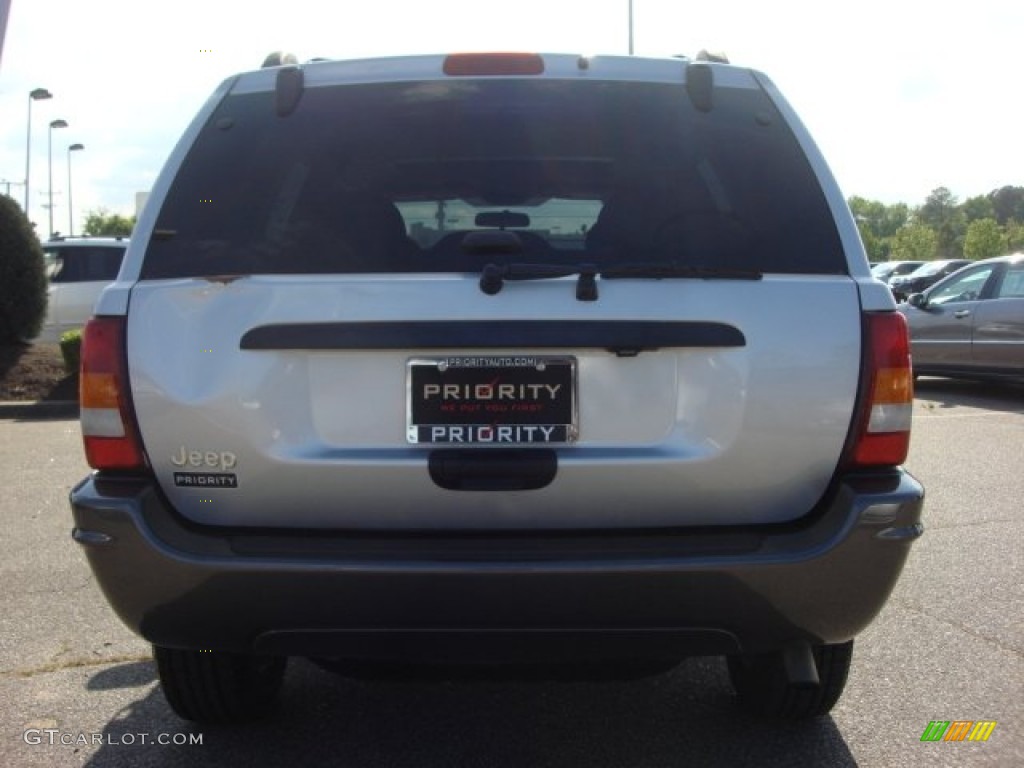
22, 276
873, 245
939, 227
100, 221
1008, 203
1014, 236
878, 224
984, 239
939, 207
941, 213
980, 207
914, 242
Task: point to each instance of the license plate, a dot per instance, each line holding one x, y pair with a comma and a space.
492, 400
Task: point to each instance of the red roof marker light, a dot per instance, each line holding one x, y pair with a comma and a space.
477, 64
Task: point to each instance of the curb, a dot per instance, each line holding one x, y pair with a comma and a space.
41, 409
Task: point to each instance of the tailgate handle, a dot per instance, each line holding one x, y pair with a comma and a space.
498, 469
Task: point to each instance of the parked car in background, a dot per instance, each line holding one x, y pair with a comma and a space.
971, 324
79, 269
885, 270
924, 276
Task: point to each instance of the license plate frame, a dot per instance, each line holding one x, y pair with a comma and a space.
481, 400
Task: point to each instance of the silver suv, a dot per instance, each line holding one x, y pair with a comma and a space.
496, 357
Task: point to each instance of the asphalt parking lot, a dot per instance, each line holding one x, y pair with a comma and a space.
76, 688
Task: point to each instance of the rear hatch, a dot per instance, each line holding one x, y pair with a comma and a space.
554, 301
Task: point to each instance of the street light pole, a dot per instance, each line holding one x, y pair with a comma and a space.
71, 221
35, 95
630, 27
53, 124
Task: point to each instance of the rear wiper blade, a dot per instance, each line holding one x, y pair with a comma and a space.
493, 276
669, 269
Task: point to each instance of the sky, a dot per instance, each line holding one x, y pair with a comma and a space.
902, 96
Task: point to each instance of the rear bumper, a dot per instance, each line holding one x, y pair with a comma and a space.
494, 596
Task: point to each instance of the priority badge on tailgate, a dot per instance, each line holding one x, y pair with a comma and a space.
216, 464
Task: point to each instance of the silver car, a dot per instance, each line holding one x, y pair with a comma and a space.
490, 357
971, 324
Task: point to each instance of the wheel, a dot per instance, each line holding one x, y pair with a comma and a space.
217, 687
762, 688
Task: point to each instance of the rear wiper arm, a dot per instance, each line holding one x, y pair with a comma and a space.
668, 269
493, 276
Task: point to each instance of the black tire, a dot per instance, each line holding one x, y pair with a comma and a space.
762, 688
216, 687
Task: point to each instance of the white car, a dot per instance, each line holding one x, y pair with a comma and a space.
78, 269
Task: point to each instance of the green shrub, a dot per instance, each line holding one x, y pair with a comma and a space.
71, 349
22, 276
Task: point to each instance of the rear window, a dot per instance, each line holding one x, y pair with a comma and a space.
391, 177
1013, 283
84, 264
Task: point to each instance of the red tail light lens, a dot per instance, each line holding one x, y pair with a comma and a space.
108, 425
883, 436
468, 64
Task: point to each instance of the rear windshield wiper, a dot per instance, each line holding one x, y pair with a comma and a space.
493, 276
668, 269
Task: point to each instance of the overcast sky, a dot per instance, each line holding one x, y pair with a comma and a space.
902, 96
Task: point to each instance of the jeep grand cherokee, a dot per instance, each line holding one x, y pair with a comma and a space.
496, 357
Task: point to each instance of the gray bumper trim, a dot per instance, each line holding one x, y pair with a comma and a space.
309, 593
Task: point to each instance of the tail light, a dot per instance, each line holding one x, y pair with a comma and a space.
883, 424
109, 430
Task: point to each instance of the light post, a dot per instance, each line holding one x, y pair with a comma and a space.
35, 95
630, 27
71, 221
53, 124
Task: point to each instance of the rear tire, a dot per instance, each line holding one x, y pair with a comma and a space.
762, 687
218, 687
